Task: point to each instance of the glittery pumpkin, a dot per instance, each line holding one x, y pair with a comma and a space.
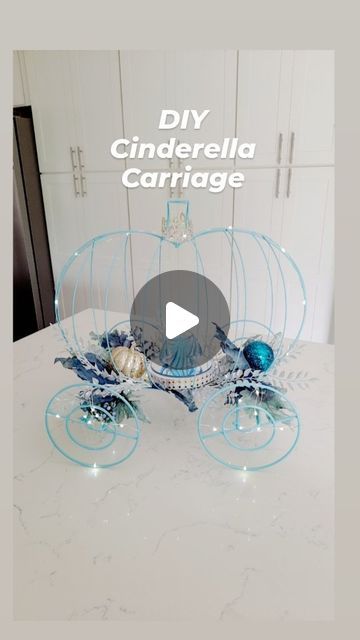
129, 361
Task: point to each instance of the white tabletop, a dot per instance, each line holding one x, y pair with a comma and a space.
170, 534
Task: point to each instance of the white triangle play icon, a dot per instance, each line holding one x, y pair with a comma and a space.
178, 320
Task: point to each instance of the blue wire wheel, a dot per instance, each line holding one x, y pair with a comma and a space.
243, 434
85, 431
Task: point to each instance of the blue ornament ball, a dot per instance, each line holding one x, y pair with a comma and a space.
259, 355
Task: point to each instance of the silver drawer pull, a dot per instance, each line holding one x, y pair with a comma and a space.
73, 158
76, 185
81, 157
289, 183
83, 186
277, 187
280, 142
292, 145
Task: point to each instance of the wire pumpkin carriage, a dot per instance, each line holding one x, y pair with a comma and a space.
244, 420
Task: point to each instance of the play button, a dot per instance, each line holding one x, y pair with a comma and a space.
173, 320
178, 320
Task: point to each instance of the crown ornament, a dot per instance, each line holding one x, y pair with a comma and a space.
176, 226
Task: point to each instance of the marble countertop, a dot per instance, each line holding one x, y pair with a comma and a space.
170, 534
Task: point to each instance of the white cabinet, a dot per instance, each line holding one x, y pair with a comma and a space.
72, 221
258, 203
157, 80
206, 80
146, 208
97, 95
308, 235
312, 108
285, 103
63, 212
263, 103
258, 207
75, 98
51, 98
147, 88
301, 220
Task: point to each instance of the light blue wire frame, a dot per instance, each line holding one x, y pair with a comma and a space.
222, 432
109, 428
215, 230
232, 235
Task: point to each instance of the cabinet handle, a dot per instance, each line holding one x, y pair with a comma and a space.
292, 144
280, 142
76, 185
180, 187
171, 164
73, 158
288, 183
81, 158
277, 187
83, 186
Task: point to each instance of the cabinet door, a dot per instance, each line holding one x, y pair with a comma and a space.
51, 92
312, 108
63, 211
153, 81
258, 203
147, 208
72, 221
308, 235
258, 207
105, 211
97, 104
206, 80
210, 253
263, 104
147, 88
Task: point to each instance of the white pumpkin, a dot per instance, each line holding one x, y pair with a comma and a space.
129, 361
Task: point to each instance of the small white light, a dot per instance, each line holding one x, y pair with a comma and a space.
121, 425
214, 428
94, 465
283, 249
304, 302
76, 253
89, 421
184, 235
258, 429
56, 301
257, 392
229, 227
57, 415
245, 468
